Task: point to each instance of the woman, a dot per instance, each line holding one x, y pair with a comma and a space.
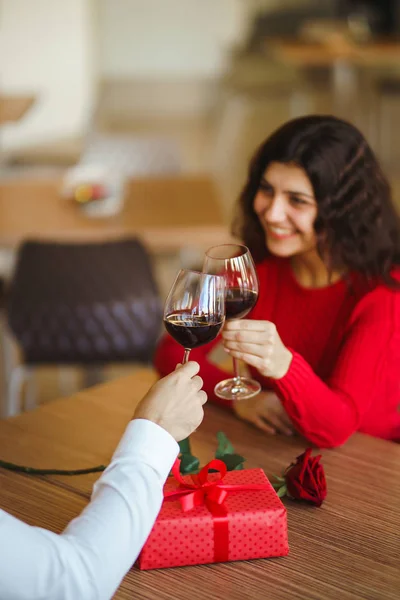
324, 337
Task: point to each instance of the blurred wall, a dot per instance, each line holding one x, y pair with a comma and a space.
47, 48
174, 38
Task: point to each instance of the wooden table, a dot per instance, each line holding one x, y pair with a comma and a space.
347, 549
344, 56
332, 48
167, 213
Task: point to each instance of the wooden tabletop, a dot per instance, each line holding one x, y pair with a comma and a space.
13, 107
347, 549
335, 48
167, 213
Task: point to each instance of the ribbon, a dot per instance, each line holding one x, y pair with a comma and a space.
200, 491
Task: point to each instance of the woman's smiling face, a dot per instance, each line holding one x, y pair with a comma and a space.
286, 207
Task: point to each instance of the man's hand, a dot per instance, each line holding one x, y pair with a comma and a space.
266, 412
175, 402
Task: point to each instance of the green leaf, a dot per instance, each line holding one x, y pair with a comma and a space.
281, 479
282, 491
189, 464
184, 446
234, 462
224, 445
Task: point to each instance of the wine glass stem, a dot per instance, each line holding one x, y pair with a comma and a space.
236, 369
186, 356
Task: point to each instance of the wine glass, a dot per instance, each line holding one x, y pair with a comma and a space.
194, 311
235, 263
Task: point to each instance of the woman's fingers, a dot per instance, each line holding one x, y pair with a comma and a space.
256, 349
238, 335
266, 412
250, 359
278, 424
247, 325
259, 422
286, 421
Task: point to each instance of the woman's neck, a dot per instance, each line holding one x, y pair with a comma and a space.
311, 272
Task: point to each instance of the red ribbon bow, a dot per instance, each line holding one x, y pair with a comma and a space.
212, 494
201, 491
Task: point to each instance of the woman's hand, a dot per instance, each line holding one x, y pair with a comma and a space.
266, 412
258, 344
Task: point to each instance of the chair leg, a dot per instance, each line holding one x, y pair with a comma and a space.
93, 376
16, 399
12, 374
66, 381
30, 389
4, 370
14, 392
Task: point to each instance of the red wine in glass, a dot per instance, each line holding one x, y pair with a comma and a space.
235, 263
191, 331
238, 303
194, 311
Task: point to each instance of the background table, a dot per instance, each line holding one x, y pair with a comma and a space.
167, 213
345, 57
349, 548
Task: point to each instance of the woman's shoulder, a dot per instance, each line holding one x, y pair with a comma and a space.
379, 300
395, 273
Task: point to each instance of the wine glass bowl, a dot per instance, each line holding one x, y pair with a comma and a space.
238, 303
235, 263
194, 311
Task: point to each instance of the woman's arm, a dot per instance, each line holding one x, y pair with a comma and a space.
366, 371
169, 353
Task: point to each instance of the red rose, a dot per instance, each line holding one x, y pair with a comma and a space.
305, 479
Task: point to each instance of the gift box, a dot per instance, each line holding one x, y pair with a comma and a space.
216, 517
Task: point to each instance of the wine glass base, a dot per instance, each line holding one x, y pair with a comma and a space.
241, 388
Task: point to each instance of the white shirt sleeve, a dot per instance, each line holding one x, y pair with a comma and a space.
90, 558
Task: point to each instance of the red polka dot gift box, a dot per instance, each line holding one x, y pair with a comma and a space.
216, 516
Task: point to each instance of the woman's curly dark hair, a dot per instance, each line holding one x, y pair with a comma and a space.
357, 225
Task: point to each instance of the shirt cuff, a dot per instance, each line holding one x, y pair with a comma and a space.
145, 441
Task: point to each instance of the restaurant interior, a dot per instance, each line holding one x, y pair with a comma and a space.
166, 103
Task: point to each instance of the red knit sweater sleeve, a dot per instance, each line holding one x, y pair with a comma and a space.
169, 353
366, 372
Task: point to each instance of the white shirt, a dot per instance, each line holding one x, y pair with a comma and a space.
90, 558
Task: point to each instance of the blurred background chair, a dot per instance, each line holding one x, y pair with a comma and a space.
79, 304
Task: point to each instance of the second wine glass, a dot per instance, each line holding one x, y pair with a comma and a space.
194, 311
235, 263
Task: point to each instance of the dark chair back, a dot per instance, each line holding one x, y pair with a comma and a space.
84, 303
